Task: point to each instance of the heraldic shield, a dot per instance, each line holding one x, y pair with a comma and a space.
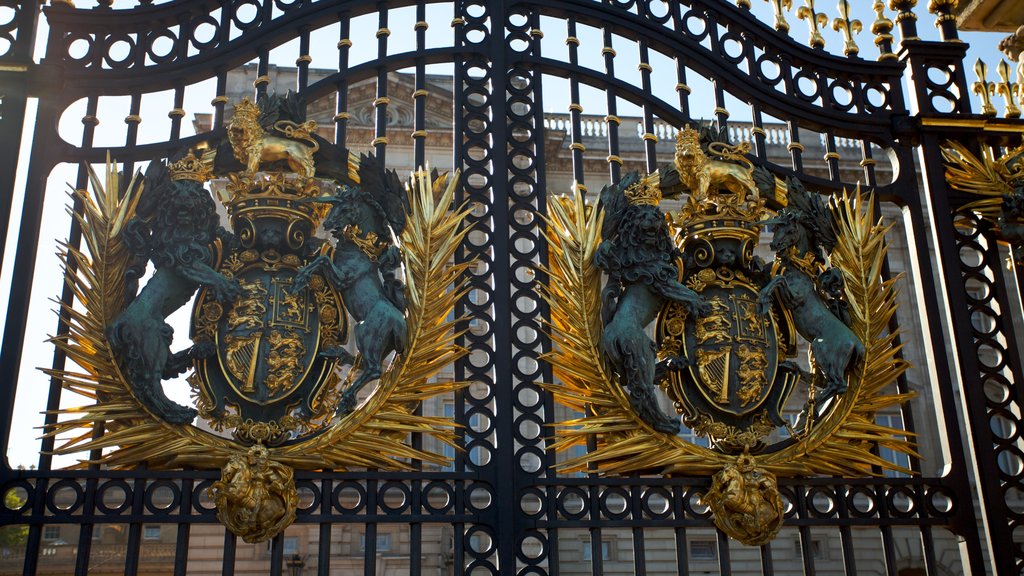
733, 373
276, 344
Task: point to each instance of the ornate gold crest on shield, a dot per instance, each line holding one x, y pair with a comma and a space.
317, 237
728, 329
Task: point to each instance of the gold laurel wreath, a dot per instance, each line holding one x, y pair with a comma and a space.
841, 443
125, 433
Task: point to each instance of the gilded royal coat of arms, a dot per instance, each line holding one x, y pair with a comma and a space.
728, 330
317, 239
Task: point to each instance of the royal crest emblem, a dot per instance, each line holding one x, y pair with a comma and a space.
728, 329
736, 375
277, 343
276, 388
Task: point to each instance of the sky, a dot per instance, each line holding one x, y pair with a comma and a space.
33, 384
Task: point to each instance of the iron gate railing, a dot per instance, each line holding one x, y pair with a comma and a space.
504, 506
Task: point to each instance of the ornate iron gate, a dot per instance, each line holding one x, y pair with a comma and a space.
505, 503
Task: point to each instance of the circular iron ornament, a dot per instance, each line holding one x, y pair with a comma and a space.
345, 489
58, 500
313, 490
23, 491
940, 502
432, 494
151, 46
113, 486
821, 502
568, 497
861, 502
391, 491
111, 42
838, 439
155, 500
789, 496
902, 501
657, 503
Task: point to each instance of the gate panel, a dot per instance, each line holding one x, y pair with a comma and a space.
543, 97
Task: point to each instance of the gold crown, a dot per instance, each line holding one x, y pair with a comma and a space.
688, 146
646, 191
189, 167
246, 114
276, 195
724, 213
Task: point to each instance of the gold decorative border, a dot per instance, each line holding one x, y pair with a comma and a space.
841, 443
372, 436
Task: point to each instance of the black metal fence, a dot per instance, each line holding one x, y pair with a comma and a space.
504, 508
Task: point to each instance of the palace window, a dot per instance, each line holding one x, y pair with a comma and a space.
703, 549
383, 542
588, 550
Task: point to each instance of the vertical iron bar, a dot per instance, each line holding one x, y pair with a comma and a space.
181, 542
262, 73
228, 561
323, 552
380, 140
303, 61
650, 135
277, 555
419, 134
724, 562
612, 120
679, 514
576, 146
131, 563
767, 568
341, 116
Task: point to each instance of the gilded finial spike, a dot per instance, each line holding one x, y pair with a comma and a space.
780, 7
848, 27
983, 88
1006, 89
882, 29
815, 21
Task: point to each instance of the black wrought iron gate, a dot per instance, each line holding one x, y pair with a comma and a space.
641, 68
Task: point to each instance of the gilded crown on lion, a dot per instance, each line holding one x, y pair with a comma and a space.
646, 191
190, 167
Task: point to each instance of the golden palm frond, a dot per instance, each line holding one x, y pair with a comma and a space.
840, 445
988, 176
373, 436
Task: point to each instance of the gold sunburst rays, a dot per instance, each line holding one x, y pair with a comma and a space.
844, 445
373, 436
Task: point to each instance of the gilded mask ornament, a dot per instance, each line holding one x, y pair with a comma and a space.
271, 368
728, 327
746, 502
